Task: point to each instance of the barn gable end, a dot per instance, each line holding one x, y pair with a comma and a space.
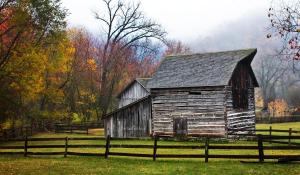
133, 92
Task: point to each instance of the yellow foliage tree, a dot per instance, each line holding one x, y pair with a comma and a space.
278, 108
25, 74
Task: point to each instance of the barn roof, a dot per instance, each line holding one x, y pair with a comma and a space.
141, 81
196, 70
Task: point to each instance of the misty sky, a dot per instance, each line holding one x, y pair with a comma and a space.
182, 19
204, 25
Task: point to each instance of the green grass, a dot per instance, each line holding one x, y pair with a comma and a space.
131, 165
116, 165
286, 126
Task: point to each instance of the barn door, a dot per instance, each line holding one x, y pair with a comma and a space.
180, 127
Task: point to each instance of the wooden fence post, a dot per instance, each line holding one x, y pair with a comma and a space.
87, 129
270, 134
66, 147
55, 128
25, 146
155, 147
290, 134
206, 149
260, 148
71, 129
107, 146
31, 128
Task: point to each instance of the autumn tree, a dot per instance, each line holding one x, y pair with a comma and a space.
27, 31
126, 29
175, 48
82, 86
284, 23
269, 73
30, 21
278, 108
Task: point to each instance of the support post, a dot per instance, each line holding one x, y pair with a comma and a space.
260, 148
290, 134
31, 128
87, 129
71, 128
155, 147
206, 149
107, 146
270, 134
66, 147
25, 146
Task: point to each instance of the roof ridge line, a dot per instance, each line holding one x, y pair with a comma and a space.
211, 52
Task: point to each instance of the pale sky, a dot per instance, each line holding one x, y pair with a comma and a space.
183, 19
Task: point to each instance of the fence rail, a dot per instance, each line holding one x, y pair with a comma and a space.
107, 144
76, 128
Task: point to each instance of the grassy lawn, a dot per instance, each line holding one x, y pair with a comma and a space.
293, 125
129, 165
116, 165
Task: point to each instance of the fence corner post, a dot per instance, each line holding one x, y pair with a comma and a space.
66, 147
107, 146
155, 147
260, 148
25, 146
206, 149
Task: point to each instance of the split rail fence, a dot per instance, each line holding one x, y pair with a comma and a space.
76, 128
108, 144
267, 132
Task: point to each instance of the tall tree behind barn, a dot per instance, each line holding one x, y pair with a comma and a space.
194, 95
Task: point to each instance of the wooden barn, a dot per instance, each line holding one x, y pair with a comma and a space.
205, 94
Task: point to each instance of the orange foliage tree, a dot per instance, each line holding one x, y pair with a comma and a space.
278, 107
176, 47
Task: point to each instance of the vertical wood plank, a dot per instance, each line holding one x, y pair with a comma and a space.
107, 146
155, 147
260, 148
206, 149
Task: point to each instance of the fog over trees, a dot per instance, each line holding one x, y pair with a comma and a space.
275, 73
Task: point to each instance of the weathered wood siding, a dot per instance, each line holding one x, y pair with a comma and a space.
135, 92
133, 120
203, 107
241, 118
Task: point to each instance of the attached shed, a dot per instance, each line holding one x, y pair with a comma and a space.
133, 118
205, 94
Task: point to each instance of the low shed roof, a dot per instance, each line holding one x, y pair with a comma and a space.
196, 70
